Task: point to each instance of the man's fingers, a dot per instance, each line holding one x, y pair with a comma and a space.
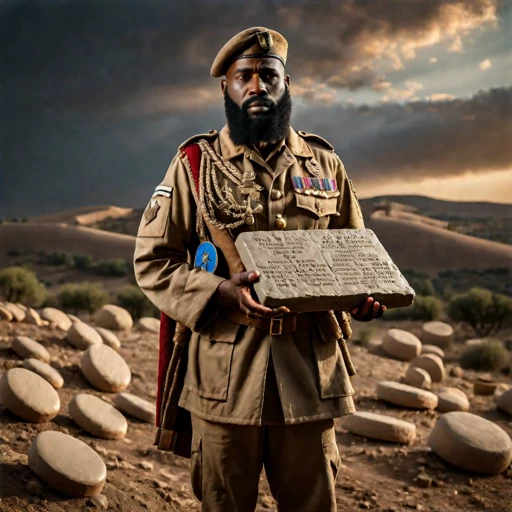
247, 278
252, 306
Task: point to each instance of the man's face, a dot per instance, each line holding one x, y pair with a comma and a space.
257, 100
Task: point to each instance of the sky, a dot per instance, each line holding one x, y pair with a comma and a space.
96, 95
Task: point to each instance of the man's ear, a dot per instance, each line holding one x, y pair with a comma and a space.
287, 80
223, 84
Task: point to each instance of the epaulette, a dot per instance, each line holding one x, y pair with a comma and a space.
316, 138
212, 134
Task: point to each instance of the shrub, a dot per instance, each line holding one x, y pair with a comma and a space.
136, 303
75, 297
424, 308
486, 312
422, 286
490, 355
82, 261
366, 335
18, 284
114, 268
59, 258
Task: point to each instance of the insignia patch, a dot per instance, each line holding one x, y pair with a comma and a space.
151, 211
313, 167
206, 257
322, 187
265, 40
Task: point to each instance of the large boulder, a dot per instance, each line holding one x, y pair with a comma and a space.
18, 315
406, 396
452, 399
401, 344
57, 317
113, 317
379, 426
67, 464
97, 417
148, 324
471, 443
432, 364
46, 371
437, 333
105, 369
28, 395
135, 406
27, 347
82, 336
109, 338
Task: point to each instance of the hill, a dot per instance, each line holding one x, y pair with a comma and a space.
84, 216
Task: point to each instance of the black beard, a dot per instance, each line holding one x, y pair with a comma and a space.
270, 126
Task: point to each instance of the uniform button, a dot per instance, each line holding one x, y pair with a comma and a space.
280, 222
275, 195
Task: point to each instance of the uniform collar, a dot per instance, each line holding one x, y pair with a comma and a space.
297, 145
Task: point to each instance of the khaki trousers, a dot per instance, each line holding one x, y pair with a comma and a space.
301, 463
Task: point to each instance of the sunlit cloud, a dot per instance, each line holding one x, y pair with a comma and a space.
443, 96
432, 60
485, 64
407, 92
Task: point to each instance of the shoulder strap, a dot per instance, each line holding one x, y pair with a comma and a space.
220, 237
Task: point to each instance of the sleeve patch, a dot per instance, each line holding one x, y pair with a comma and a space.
155, 217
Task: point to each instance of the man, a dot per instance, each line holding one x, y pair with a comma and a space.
257, 397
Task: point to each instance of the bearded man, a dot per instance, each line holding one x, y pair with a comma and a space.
258, 396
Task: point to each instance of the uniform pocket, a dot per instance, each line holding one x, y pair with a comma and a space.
316, 209
333, 378
196, 466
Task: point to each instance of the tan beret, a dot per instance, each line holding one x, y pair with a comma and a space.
252, 42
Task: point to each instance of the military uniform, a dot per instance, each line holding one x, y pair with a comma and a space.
255, 398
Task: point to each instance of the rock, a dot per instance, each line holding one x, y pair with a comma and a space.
407, 396
17, 313
436, 333
432, 349
32, 317
60, 319
401, 344
97, 417
473, 342
105, 369
418, 377
452, 399
5, 314
82, 336
109, 338
379, 426
73, 318
28, 395
471, 443
500, 389
484, 386
146, 466
27, 347
67, 464
424, 480
338, 255
99, 501
113, 317
456, 371
148, 324
35, 487
44, 370
504, 402
135, 406
432, 364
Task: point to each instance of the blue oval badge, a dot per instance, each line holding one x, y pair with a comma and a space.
206, 257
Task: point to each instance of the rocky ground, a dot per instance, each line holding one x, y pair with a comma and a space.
375, 475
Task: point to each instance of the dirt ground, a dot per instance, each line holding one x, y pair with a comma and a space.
374, 475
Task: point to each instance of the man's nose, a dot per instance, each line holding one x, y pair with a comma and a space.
257, 86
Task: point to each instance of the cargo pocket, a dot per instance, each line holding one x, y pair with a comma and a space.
333, 378
315, 212
196, 466
209, 367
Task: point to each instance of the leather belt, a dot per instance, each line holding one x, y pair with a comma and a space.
275, 326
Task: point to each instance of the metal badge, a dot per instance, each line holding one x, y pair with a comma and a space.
206, 257
265, 40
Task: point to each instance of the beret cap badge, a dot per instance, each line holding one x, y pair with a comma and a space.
265, 40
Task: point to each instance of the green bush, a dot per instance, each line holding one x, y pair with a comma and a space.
113, 268
82, 261
486, 312
59, 258
422, 286
366, 335
424, 308
76, 297
18, 284
136, 303
490, 355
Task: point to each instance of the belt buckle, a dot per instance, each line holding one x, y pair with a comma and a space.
279, 329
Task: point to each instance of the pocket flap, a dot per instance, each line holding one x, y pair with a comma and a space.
320, 206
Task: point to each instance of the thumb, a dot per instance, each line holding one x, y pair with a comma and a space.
248, 277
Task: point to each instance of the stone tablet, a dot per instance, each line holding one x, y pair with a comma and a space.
67, 464
135, 406
29, 396
379, 426
97, 417
105, 369
322, 269
44, 370
27, 347
471, 443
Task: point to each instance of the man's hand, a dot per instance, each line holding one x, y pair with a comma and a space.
369, 310
236, 293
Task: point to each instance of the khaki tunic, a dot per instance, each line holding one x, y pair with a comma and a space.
227, 366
